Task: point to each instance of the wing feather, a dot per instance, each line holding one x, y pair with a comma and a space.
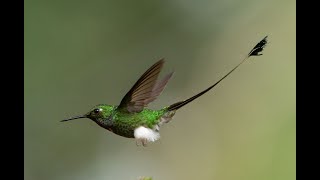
145, 90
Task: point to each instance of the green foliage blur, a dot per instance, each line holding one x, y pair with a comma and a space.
82, 53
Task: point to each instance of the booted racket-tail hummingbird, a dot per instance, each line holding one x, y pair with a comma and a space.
132, 119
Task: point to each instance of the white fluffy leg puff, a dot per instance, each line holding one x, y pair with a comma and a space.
145, 135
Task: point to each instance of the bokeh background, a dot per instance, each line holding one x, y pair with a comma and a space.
79, 53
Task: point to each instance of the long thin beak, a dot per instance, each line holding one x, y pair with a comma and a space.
73, 118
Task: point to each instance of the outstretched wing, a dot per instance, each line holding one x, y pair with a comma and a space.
145, 90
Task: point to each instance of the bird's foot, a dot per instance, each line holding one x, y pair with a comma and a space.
142, 141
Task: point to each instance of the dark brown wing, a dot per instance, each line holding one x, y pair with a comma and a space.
145, 90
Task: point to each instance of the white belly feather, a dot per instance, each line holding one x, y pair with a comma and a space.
146, 134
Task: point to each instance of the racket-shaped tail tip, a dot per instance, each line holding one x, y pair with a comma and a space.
256, 51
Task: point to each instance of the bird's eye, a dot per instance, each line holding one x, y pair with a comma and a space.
96, 111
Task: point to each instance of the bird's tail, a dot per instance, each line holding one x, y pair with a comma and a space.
254, 52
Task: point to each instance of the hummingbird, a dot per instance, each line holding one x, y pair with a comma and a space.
132, 119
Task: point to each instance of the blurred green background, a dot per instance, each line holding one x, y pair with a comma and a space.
82, 53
